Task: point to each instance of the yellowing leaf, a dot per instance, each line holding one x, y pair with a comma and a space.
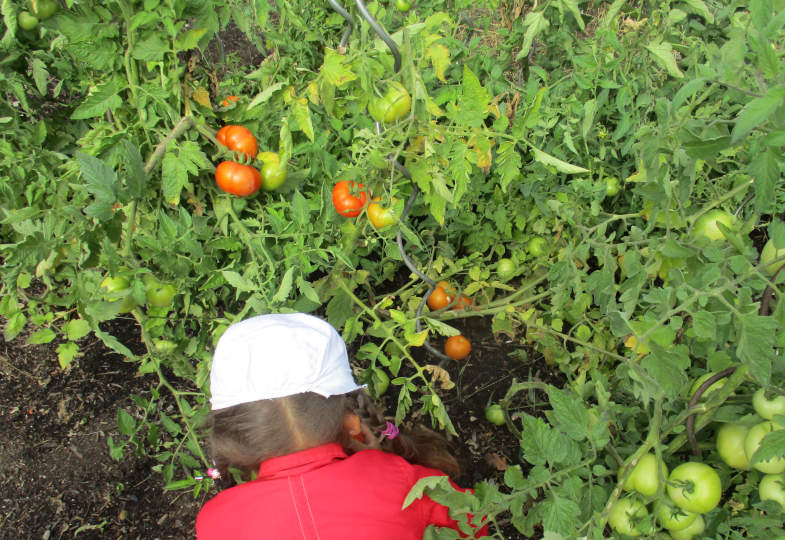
439, 55
201, 96
433, 108
416, 340
313, 93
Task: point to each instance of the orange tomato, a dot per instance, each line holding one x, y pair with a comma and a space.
239, 139
228, 100
464, 302
439, 298
457, 347
237, 179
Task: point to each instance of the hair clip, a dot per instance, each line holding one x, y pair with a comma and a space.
390, 431
213, 473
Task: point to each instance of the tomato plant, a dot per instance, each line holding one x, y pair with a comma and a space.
273, 171
392, 106
706, 226
237, 179
116, 288
768, 408
238, 139
730, 445
752, 442
349, 198
695, 487
625, 514
457, 347
380, 216
494, 414
711, 389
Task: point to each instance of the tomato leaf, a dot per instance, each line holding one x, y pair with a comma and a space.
265, 95
508, 164
285, 286
43, 335
302, 114
559, 165
662, 52
771, 446
765, 169
66, 352
474, 100
102, 183
439, 55
756, 112
150, 49
103, 98
334, 69
755, 345
570, 413
125, 422
136, 178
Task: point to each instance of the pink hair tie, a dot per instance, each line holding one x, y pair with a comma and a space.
390, 431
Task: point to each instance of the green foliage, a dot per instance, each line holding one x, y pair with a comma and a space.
107, 156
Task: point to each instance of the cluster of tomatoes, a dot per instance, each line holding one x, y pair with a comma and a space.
244, 180
118, 289
694, 488
40, 10
442, 296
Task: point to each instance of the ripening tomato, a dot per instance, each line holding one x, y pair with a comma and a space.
695, 487
237, 179
438, 299
457, 347
228, 100
391, 107
345, 201
380, 216
273, 171
239, 139
612, 186
463, 302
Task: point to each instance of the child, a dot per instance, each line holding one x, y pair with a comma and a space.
281, 388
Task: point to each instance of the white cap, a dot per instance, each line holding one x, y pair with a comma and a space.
271, 356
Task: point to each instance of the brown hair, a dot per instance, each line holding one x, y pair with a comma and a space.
245, 435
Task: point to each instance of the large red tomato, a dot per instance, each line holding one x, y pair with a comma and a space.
239, 139
237, 179
349, 198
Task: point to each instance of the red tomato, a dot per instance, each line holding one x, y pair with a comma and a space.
345, 201
237, 179
228, 100
442, 295
457, 347
463, 302
239, 139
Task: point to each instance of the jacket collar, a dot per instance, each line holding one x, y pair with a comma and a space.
301, 462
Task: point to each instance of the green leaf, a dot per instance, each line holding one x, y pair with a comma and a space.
189, 39
151, 49
170, 425
474, 100
264, 95
174, 177
238, 282
125, 423
559, 165
705, 325
66, 352
560, 515
40, 76
136, 178
663, 55
103, 98
76, 329
755, 345
508, 164
570, 413
699, 8
335, 69
756, 112
102, 183
535, 22
285, 287
112, 342
674, 250
302, 114
180, 484
44, 335
771, 446
574, 8
765, 169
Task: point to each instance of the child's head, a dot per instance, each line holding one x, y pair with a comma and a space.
278, 385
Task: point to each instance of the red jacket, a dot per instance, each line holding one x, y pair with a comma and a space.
321, 494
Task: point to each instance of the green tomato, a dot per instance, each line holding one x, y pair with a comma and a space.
393, 106
625, 515
117, 288
43, 9
494, 414
772, 488
403, 5
159, 294
706, 225
27, 21
752, 442
612, 186
536, 246
672, 517
768, 408
644, 478
691, 531
273, 172
695, 487
770, 253
730, 445
505, 269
